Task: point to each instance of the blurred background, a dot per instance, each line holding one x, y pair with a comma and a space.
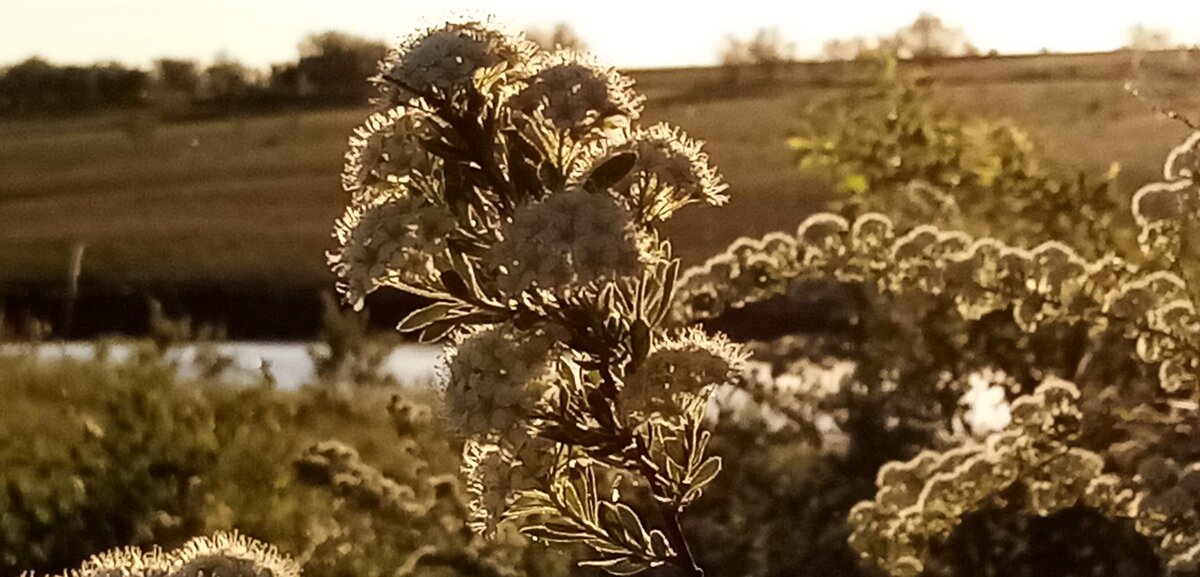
189, 152
169, 180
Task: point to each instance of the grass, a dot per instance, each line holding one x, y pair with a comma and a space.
247, 201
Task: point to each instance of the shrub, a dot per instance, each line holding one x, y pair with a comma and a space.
523, 198
1114, 441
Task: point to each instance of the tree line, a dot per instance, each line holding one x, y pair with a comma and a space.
330, 69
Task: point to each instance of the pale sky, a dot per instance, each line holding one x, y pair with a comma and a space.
625, 33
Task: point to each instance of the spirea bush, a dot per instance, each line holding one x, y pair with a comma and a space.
515, 189
1118, 441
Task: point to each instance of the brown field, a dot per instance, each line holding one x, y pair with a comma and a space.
247, 201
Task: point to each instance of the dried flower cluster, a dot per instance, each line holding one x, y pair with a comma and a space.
514, 188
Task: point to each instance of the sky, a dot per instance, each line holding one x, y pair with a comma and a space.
625, 33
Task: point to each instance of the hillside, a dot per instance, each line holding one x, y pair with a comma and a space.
245, 205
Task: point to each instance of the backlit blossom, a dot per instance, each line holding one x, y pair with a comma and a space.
568, 240
224, 554
390, 242
496, 377
670, 171
383, 151
443, 62
571, 93
692, 363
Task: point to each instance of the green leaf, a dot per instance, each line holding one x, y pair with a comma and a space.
444, 150
660, 546
457, 286
425, 316
856, 183
616, 565
667, 295
633, 526
640, 341
438, 330
701, 477
611, 171
622, 524
573, 502
556, 532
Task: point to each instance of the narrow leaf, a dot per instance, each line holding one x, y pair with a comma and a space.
611, 171
425, 316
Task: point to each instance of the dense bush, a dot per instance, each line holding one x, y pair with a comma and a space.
947, 328
98, 455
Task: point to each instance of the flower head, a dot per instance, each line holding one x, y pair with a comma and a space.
569, 92
496, 377
442, 62
496, 467
228, 554
383, 152
670, 171
693, 363
570, 239
390, 241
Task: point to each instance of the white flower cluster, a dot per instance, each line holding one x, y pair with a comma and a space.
570, 93
443, 62
570, 239
922, 500
390, 241
691, 364
383, 152
486, 184
1049, 284
670, 171
224, 554
1164, 209
496, 377
497, 467
1168, 510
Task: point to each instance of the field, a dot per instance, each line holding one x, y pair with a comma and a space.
244, 203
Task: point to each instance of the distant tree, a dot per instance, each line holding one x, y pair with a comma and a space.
39, 86
28, 86
178, 76
928, 38
337, 65
560, 36
734, 58
767, 52
838, 49
227, 80
1143, 38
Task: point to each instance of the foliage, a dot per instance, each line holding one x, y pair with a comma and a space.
891, 147
417, 504
1129, 317
514, 188
347, 353
96, 455
121, 468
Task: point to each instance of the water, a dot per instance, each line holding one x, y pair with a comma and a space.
289, 362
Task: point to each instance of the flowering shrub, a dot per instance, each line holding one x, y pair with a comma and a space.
1122, 443
515, 189
891, 147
